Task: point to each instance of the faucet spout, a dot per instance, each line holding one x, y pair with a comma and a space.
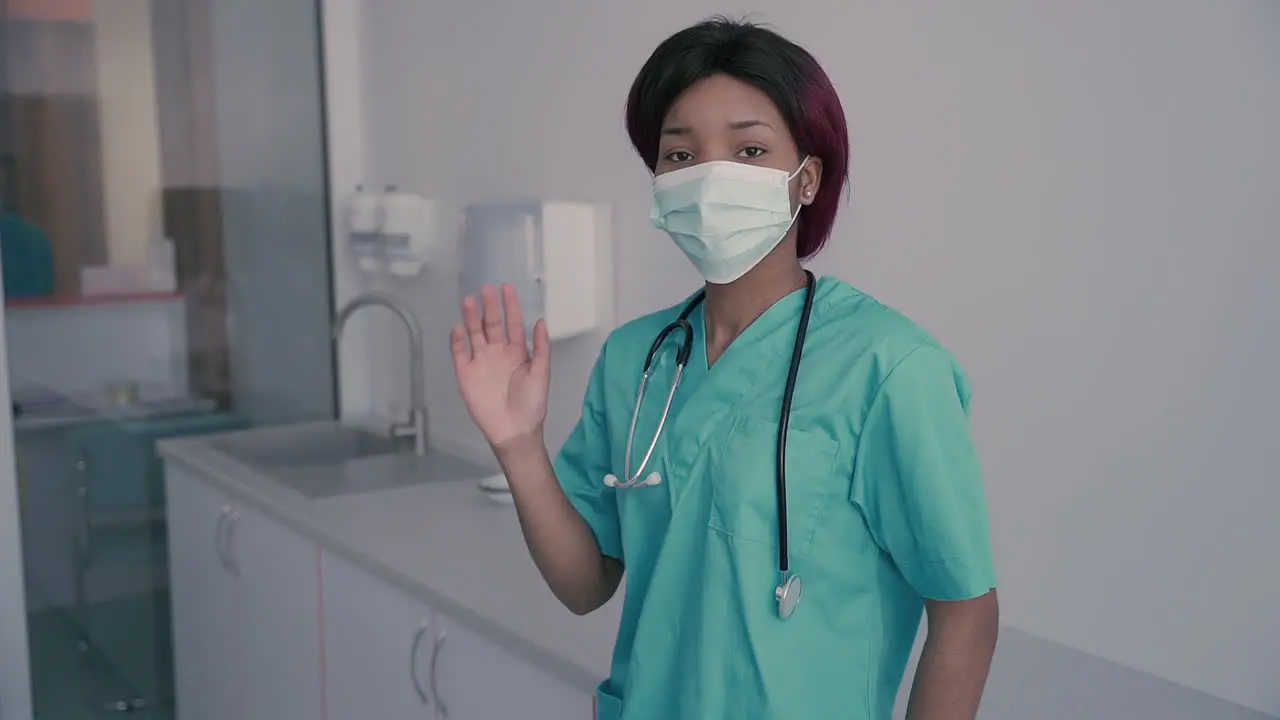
416, 427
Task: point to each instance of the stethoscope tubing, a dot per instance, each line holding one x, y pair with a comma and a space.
784, 421
633, 480
682, 324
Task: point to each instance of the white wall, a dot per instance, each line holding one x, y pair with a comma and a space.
1078, 198
84, 348
125, 65
343, 38
24, 73
118, 68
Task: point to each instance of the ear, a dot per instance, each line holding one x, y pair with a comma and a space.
810, 180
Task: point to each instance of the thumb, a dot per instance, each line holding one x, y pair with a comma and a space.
541, 360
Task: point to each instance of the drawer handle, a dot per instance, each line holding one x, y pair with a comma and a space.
219, 530
413, 664
86, 522
435, 657
233, 521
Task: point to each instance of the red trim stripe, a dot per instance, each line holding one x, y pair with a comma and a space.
324, 664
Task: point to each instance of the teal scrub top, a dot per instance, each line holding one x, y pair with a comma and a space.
885, 509
27, 259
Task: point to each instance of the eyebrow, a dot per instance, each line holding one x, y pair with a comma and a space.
736, 125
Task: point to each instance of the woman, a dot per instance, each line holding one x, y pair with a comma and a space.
884, 511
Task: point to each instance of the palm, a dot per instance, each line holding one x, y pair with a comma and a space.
503, 385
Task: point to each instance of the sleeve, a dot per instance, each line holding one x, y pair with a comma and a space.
918, 482
583, 462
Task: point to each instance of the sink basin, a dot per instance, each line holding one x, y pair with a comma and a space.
322, 460
378, 473
309, 445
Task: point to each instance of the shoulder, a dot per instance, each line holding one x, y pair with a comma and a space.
868, 341
846, 318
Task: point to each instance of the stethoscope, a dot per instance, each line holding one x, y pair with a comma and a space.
790, 587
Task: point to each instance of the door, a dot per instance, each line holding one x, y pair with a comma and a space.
278, 581
477, 680
377, 645
204, 603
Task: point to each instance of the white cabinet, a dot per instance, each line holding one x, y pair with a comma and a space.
378, 645
203, 598
267, 625
282, 676
393, 658
246, 609
476, 680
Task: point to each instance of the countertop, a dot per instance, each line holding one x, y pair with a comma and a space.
439, 540
44, 409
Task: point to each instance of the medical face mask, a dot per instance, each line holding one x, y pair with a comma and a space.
726, 216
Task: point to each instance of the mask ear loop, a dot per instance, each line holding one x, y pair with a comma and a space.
800, 205
800, 169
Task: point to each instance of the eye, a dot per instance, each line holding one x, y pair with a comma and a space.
751, 153
679, 156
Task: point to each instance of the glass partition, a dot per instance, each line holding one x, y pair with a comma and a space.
164, 227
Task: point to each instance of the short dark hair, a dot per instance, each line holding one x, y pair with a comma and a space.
762, 58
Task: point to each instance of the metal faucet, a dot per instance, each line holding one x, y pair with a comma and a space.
416, 427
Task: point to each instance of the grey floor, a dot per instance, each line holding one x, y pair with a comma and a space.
1036, 679
1031, 679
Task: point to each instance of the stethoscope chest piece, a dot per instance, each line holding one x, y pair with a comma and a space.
788, 595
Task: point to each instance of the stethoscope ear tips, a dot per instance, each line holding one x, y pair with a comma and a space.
611, 480
653, 479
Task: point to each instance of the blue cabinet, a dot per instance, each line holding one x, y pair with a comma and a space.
121, 606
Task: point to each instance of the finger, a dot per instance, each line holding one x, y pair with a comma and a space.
541, 361
492, 319
515, 316
458, 346
471, 319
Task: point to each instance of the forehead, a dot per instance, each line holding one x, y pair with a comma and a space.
721, 100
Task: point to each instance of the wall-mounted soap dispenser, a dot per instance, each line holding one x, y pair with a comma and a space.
555, 253
364, 225
393, 231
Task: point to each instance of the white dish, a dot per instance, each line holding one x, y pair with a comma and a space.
498, 498
496, 490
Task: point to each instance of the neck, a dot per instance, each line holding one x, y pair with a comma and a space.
731, 308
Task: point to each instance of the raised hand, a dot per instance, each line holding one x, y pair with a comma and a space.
503, 385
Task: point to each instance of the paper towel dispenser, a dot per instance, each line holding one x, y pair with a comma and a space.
553, 252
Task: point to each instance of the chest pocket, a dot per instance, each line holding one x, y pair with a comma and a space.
744, 502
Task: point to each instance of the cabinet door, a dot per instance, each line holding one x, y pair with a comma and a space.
204, 611
377, 644
279, 576
477, 680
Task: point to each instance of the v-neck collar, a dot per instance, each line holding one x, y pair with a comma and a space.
781, 313
713, 392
